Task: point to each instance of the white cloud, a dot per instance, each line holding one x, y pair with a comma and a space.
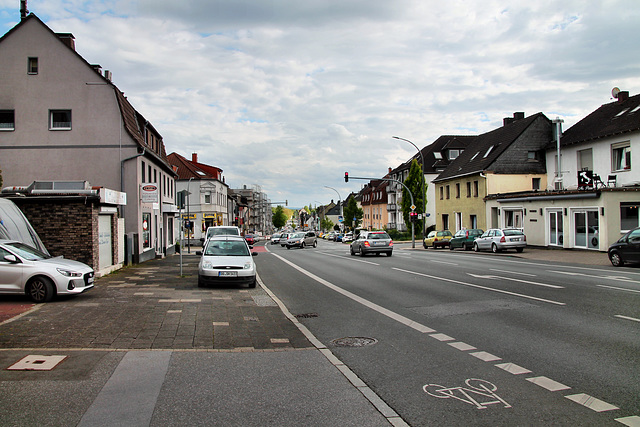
290, 95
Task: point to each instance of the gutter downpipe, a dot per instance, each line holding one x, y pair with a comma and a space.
558, 122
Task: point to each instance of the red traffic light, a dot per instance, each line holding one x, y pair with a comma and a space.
346, 177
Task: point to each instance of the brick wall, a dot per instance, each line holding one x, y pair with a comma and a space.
67, 226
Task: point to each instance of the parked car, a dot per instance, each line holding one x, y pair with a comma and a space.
496, 240
436, 239
250, 239
338, 237
372, 242
26, 270
625, 249
227, 260
301, 239
275, 238
283, 239
464, 239
348, 237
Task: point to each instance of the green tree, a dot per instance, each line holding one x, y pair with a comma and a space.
279, 218
414, 182
352, 211
326, 224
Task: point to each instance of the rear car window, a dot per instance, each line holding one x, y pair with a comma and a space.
378, 236
513, 233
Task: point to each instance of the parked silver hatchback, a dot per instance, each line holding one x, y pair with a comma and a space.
301, 239
372, 242
497, 239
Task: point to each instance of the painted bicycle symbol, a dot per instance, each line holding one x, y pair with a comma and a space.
478, 392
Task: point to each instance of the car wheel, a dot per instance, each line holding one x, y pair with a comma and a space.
616, 259
288, 247
494, 248
467, 247
450, 247
40, 289
361, 252
315, 243
253, 284
351, 250
302, 245
476, 248
424, 245
389, 253
519, 250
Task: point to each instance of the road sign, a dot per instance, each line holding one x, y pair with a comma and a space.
413, 207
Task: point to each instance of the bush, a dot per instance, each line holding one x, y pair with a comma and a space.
399, 235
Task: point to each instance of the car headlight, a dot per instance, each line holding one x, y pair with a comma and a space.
247, 265
68, 273
207, 265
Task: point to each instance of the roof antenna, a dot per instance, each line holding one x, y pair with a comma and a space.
23, 9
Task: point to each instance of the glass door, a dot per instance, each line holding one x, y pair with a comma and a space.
555, 228
586, 229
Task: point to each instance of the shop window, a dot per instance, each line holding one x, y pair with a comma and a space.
621, 157
7, 120
146, 230
59, 119
629, 218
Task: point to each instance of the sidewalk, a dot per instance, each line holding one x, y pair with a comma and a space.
148, 347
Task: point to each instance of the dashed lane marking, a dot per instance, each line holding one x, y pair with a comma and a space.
512, 368
548, 383
620, 316
591, 402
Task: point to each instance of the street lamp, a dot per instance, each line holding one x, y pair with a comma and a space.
339, 203
424, 190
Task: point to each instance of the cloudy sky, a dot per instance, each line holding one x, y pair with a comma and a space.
290, 94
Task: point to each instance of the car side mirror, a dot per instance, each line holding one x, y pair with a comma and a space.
11, 258
254, 253
250, 246
198, 252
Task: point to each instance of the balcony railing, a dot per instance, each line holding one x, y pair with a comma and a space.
392, 207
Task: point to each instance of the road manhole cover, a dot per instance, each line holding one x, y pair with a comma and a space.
354, 342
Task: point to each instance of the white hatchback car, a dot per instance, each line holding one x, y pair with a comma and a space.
226, 260
25, 270
498, 239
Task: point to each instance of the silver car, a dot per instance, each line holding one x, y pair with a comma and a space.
372, 242
497, 239
301, 239
226, 260
25, 270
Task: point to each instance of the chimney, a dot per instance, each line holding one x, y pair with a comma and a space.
194, 157
516, 116
390, 171
67, 39
623, 96
23, 9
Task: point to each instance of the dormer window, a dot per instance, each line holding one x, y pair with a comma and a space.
453, 154
437, 155
488, 152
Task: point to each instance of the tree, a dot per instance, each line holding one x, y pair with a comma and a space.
326, 224
414, 182
279, 218
352, 211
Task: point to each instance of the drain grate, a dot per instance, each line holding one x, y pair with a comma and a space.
306, 315
354, 341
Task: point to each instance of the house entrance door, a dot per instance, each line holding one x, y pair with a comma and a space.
585, 229
554, 222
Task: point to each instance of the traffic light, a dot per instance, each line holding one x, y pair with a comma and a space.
413, 216
346, 177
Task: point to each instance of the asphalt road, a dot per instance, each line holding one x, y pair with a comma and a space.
463, 338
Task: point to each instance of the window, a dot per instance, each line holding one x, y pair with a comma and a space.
447, 192
475, 188
621, 157
441, 192
146, 230
468, 188
7, 120
59, 119
585, 159
445, 221
207, 198
143, 171
535, 183
488, 152
533, 156
457, 190
453, 154
32, 66
473, 219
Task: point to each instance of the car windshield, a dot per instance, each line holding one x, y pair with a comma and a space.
222, 231
26, 252
296, 235
513, 233
379, 236
227, 248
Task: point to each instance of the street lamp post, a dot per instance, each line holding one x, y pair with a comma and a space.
424, 190
339, 203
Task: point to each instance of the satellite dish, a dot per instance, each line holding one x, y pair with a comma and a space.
614, 92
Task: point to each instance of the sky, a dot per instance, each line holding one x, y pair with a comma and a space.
288, 94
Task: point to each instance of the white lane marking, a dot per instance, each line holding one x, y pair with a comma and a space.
442, 337
479, 276
616, 278
512, 368
480, 287
484, 356
632, 421
591, 402
620, 316
618, 289
386, 312
548, 383
512, 272
443, 262
462, 346
352, 259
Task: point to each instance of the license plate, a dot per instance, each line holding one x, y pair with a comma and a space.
515, 239
379, 243
90, 280
227, 274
